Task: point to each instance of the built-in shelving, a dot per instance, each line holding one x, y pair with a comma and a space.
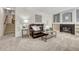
77, 29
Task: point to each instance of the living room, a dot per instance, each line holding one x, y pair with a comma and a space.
54, 19
45, 15
58, 29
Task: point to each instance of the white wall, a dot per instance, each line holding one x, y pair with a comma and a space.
1, 22
30, 15
22, 14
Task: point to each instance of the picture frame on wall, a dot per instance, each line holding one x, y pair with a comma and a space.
38, 18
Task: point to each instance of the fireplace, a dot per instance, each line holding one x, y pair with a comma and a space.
69, 28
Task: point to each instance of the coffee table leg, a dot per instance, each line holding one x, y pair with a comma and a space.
45, 39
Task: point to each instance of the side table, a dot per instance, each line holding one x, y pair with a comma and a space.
25, 32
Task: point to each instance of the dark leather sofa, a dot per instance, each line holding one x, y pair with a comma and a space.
36, 34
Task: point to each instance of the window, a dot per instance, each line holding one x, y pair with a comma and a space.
77, 13
67, 17
57, 18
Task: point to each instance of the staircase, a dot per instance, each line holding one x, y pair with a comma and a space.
10, 29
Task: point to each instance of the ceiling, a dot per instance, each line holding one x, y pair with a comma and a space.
9, 10
49, 10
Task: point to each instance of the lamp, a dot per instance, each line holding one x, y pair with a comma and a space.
47, 28
25, 23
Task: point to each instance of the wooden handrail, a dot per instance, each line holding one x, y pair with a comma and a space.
5, 19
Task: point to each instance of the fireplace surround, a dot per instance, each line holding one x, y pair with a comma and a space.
69, 28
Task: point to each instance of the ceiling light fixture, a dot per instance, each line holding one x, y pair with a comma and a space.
25, 21
8, 8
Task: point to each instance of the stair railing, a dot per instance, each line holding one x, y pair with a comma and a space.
5, 19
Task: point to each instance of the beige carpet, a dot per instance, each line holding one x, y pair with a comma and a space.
63, 42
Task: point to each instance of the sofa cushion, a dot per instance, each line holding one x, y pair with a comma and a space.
36, 28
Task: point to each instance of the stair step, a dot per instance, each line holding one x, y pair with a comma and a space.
10, 28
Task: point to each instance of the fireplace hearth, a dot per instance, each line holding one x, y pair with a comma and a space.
69, 28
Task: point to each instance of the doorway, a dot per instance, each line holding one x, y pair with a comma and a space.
9, 22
